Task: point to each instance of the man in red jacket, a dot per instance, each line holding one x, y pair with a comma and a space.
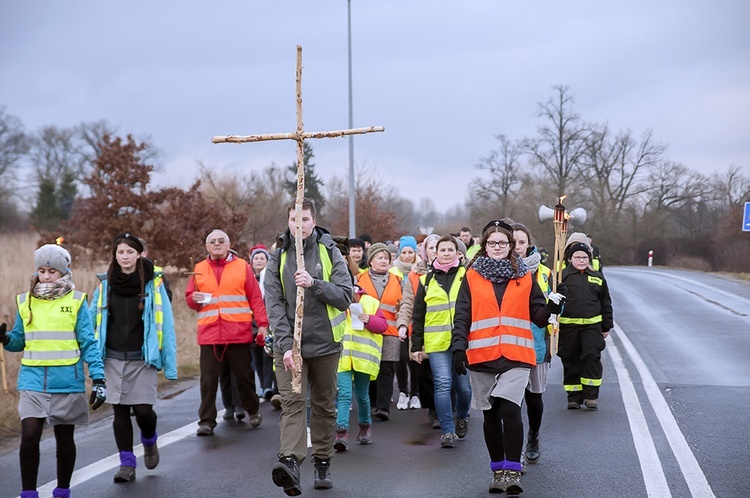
227, 298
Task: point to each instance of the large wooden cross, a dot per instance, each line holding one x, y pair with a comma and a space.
299, 136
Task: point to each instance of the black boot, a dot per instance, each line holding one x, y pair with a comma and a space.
322, 473
532, 448
285, 474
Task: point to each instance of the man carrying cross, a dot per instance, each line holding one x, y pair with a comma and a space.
328, 294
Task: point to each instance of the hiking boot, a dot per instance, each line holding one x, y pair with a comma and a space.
574, 405
125, 474
240, 414
462, 427
228, 414
365, 434
414, 403
532, 448
255, 419
448, 440
513, 482
590, 404
322, 473
381, 414
497, 485
276, 401
151, 456
285, 474
204, 430
403, 401
342, 438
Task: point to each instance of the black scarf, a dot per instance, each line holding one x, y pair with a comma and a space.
499, 271
129, 284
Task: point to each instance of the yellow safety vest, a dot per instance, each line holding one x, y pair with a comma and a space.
335, 316
362, 348
51, 335
158, 311
441, 306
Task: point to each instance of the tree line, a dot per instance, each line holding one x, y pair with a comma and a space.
87, 184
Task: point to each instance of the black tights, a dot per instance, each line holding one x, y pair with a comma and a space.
145, 417
503, 430
31, 434
534, 410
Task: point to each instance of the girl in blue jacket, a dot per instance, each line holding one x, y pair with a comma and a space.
54, 331
133, 321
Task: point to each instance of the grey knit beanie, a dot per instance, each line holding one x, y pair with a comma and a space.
53, 256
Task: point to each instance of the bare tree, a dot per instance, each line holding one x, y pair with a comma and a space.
561, 142
13, 146
506, 178
261, 197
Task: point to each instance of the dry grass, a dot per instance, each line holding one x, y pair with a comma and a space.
16, 268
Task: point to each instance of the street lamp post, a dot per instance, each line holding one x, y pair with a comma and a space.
352, 209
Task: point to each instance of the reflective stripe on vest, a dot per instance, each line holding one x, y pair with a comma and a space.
503, 330
440, 308
50, 337
580, 321
362, 348
390, 299
228, 299
336, 317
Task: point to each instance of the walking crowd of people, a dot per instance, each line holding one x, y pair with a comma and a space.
452, 321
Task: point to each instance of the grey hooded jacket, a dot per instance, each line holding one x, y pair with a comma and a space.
317, 337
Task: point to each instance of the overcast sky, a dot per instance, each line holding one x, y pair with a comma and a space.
444, 78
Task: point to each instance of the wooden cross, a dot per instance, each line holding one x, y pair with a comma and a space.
299, 136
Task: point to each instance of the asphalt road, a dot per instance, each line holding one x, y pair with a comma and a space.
673, 421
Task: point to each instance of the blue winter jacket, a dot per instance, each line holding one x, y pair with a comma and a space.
59, 379
164, 358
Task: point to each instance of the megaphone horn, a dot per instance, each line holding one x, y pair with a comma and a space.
577, 217
545, 213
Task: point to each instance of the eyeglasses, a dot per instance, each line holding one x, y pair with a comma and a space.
217, 241
498, 243
580, 258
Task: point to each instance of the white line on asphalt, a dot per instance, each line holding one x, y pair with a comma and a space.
651, 468
692, 472
113, 461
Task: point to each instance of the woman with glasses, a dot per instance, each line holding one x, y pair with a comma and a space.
584, 325
491, 337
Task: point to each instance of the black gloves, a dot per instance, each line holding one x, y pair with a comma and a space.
3, 337
98, 394
460, 362
554, 308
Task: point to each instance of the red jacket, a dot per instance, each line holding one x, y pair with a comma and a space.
223, 331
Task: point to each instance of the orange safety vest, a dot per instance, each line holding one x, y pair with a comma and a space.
389, 301
228, 299
503, 330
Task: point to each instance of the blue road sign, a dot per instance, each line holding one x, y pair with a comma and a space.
746, 218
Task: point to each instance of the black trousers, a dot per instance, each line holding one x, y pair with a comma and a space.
240, 363
580, 350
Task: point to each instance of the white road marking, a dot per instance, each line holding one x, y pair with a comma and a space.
651, 468
691, 471
113, 461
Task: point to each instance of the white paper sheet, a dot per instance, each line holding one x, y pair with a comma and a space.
356, 309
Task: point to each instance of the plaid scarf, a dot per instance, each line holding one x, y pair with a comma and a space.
499, 271
54, 290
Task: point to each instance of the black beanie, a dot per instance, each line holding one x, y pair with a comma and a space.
579, 246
